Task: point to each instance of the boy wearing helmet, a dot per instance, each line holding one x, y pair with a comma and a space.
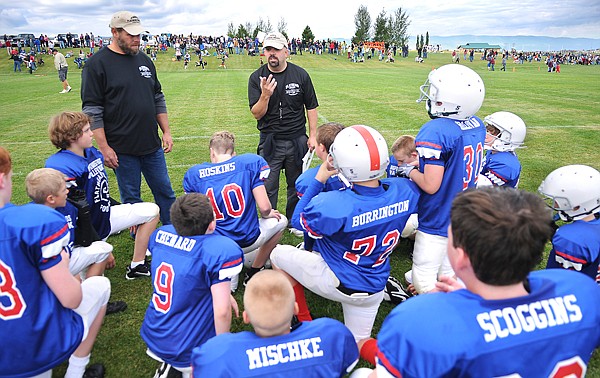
355, 230
450, 148
501, 166
573, 192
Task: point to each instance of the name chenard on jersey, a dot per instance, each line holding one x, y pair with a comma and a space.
381, 213
501, 323
283, 353
174, 241
216, 170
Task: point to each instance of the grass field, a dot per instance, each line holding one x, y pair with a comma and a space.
562, 112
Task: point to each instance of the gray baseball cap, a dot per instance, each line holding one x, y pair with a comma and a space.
128, 21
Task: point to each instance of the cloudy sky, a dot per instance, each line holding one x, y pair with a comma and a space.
327, 19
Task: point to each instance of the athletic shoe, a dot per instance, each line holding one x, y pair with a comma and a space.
94, 371
250, 273
394, 291
117, 306
296, 232
141, 270
64, 91
69, 88
167, 371
408, 276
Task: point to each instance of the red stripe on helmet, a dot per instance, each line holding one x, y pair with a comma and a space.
371, 146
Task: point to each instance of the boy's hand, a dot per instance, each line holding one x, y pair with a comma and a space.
404, 170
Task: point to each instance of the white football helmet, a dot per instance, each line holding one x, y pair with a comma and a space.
453, 91
573, 191
512, 131
360, 153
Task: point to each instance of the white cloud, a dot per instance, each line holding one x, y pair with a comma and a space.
327, 19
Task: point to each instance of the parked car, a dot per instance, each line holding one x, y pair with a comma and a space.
26, 38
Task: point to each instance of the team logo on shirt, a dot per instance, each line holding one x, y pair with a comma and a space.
145, 72
292, 89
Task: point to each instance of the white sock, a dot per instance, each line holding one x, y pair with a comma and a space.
136, 263
77, 366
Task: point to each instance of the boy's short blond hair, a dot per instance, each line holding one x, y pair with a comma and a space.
269, 302
42, 182
66, 127
326, 133
405, 143
222, 142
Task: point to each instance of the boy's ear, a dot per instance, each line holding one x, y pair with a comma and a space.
245, 317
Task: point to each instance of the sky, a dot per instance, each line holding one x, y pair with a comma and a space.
327, 19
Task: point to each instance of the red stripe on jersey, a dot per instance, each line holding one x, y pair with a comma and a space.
308, 229
54, 236
384, 361
571, 258
428, 144
232, 263
371, 146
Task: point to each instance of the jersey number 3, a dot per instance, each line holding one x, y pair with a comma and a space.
12, 306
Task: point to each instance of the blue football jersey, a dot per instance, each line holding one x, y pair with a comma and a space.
302, 183
70, 212
180, 314
392, 168
459, 334
37, 332
502, 168
321, 348
229, 186
304, 180
576, 246
458, 147
356, 230
89, 175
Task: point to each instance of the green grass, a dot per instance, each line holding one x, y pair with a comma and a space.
560, 110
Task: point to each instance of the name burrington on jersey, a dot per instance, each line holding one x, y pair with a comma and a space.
175, 241
216, 170
380, 213
283, 353
501, 323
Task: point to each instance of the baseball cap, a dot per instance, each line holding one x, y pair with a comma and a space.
276, 40
128, 21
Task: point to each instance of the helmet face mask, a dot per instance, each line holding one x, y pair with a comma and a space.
359, 153
452, 91
510, 129
573, 191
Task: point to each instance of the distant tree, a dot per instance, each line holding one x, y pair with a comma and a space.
231, 30
249, 28
382, 32
307, 34
427, 39
362, 21
422, 41
398, 26
419, 45
282, 27
242, 32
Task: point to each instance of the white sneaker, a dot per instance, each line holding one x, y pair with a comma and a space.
64, 91
408, 276
297, 232
69, 88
